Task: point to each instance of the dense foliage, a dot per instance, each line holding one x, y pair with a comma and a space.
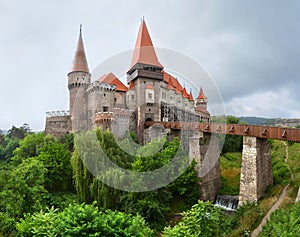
83, 221
46, 190
284, 222
152, 205
203, 219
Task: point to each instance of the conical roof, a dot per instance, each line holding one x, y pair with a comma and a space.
185, 94
80, 61
201, 94
191, 96
144, 51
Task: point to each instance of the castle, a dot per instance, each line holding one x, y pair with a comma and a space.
151, 94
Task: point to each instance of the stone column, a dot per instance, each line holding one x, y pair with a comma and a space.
256, 172
205, 150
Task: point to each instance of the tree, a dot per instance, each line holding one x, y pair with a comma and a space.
55, 157
23, 192
19, 133
82, 220
204, 219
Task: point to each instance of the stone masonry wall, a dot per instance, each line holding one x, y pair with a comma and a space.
58, 125
256, 172
204, 148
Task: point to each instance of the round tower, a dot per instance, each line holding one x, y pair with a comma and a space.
78, 81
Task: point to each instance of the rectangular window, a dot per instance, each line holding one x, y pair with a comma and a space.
149, 96
132, 97
105, 109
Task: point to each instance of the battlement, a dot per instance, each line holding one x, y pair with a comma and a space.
96, 85
57, 113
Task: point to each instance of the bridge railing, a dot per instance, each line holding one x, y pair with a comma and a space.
278, 133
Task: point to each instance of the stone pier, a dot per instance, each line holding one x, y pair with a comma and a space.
256, 172
204, 148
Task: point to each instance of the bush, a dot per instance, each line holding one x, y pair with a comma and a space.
82, 220
204, 219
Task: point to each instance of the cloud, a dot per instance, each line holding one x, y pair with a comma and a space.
251, 49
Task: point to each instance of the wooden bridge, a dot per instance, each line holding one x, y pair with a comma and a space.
277, 133
256, 169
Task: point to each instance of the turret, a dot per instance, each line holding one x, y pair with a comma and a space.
201, 100
145, 73
78, 81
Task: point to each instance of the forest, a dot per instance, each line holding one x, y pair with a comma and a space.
46, 190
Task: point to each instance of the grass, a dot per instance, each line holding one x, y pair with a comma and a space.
230, 164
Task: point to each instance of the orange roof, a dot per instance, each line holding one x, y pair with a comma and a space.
201, 94
191, 96
131, 85
144, 51
201, 110
175, 82
178, 88
79, 61
185, 94
149, 86
170, 85
111, 79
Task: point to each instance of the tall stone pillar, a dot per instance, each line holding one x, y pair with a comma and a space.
204, 148
256, 172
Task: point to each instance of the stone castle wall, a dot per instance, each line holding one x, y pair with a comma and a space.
58, 125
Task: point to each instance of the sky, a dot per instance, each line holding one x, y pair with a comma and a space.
251, 49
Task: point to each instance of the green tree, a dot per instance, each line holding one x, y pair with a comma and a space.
23, 192
204, 219
55, 156
82, 220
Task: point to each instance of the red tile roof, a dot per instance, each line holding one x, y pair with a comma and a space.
170, 85
80, 61
111, 79
174, 82
201, 94
201, 110
131, 85
149, 86
144, 51
191, 96
185, 94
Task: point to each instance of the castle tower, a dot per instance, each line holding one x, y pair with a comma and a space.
201, 100
201, 107
78, 81
145, 73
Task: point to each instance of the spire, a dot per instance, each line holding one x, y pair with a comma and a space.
191, 96
79, 61
201, 94
144, 51
185, 94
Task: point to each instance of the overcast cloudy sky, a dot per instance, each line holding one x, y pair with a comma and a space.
250, 48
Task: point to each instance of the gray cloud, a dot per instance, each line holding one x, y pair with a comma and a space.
250, 48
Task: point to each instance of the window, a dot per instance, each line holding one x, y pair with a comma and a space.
132, 97
105, 109
149, 96
163, 95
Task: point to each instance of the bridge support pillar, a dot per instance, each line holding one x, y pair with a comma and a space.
204, 148
256, 172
